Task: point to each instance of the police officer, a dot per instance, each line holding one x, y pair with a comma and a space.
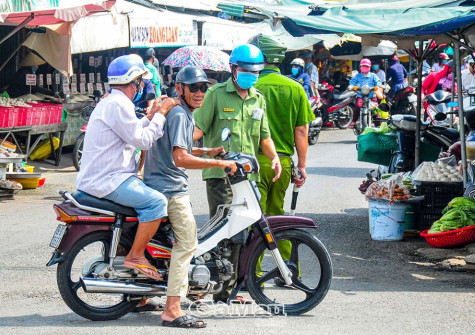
237, 105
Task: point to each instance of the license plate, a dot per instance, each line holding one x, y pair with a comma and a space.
58, 236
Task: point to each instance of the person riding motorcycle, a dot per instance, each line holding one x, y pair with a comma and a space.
365, 77
108, 165
298, 74
397, 75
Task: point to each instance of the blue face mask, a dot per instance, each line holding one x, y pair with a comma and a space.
294, 71
246, 80
138, 95
444, 62
375, 67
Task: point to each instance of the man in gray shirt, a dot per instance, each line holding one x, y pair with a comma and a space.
165, 171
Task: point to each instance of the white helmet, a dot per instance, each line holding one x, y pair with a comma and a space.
124, 69
298, 61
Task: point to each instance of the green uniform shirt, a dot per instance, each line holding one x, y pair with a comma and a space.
287, 107
246, 118
155, 79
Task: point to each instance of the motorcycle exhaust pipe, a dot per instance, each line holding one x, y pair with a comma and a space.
93, 285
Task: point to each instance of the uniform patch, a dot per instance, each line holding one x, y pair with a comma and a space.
229, 109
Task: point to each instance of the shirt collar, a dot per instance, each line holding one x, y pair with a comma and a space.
271, 68
231, 87
122, 95
189, 113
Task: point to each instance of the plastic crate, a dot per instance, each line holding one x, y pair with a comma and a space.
437, 196
8, 117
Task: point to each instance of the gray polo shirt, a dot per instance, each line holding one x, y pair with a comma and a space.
161, 173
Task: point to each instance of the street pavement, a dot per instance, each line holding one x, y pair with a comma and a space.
377, 288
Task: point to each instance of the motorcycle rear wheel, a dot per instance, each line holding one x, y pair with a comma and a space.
77, 151
313, 139
310, 284
88, 252
344, 122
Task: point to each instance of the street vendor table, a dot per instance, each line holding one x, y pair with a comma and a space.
4, 161
37, 131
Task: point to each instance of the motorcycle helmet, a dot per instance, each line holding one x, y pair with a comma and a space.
298, 61
147, 53
247, 56
124, 69
365, 62
469, 60
273, 50
443, 55
191, 75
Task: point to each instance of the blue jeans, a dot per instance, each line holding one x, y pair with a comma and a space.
148, 203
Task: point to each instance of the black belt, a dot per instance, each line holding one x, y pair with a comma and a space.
278, 154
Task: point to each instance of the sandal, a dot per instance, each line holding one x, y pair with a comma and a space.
146, 270
352, 125
239, 299
150, 306
185, 321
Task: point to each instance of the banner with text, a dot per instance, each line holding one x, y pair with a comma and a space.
162, 33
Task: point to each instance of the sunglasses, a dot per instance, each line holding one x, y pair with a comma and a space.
195, 87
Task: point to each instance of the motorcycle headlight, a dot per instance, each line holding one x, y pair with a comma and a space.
365, 90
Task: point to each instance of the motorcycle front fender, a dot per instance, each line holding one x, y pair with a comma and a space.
276, 223
72, 235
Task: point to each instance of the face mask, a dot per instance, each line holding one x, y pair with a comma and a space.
375, 67
294, 71
138, 95
444, 62
246, 80
364, 69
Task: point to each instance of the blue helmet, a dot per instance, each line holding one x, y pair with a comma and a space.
124, 69
247, 56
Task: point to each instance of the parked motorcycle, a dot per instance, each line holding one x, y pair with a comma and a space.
336, 108
315, 126
436, 103
402, 159
96, 233
86, 114
366, 111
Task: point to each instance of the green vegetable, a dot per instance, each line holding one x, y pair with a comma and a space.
459, 213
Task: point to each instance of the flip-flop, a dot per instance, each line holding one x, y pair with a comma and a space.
239, 299
185, 321
150, 306
147, 270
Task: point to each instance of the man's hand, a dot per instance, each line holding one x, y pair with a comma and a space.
215, 151
162, 105
303, 175
229, 164
276, 167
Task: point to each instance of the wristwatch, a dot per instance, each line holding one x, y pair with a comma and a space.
205, 151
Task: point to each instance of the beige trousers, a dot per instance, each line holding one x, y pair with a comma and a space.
184, 227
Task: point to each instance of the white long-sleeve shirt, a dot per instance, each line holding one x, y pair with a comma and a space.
113, 134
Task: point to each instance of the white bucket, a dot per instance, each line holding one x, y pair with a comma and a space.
386, 222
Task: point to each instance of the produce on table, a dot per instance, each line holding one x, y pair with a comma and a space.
389, 189
437, 172
9, 102
459, 213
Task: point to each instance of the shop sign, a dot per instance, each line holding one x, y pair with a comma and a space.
91, 77
98, 77
74, 78
99, 61
74, 88
82, 88
57, 79
31, 79
40, 79
49, 80
90, 88
66, 88
99, 87
162, 33
225, 36
91, 60
82, 77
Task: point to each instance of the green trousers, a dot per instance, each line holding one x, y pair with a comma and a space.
273, 194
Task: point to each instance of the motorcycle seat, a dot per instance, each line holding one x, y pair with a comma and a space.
344, 95
88, 200
450, 133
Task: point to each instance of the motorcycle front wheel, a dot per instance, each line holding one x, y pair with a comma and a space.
77, 151
346, 115
90, 251
311, 268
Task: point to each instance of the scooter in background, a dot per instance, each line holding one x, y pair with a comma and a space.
337, 108
437, 103
315, 126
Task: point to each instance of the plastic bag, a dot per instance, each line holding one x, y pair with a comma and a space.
44, 149
390, 189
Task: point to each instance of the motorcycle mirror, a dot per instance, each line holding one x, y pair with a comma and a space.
226, 136
149, 96
440, 116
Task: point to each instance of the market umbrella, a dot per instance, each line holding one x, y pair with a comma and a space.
206, 58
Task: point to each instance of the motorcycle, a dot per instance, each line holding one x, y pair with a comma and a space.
403, 102
86, 114
402, 159
315, 126
366, 111
336, 108
436, 103
79, 143
95, 234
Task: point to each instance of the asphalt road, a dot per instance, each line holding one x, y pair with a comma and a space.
378, 287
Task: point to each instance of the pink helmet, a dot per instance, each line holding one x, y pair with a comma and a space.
443, 55
365, 62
